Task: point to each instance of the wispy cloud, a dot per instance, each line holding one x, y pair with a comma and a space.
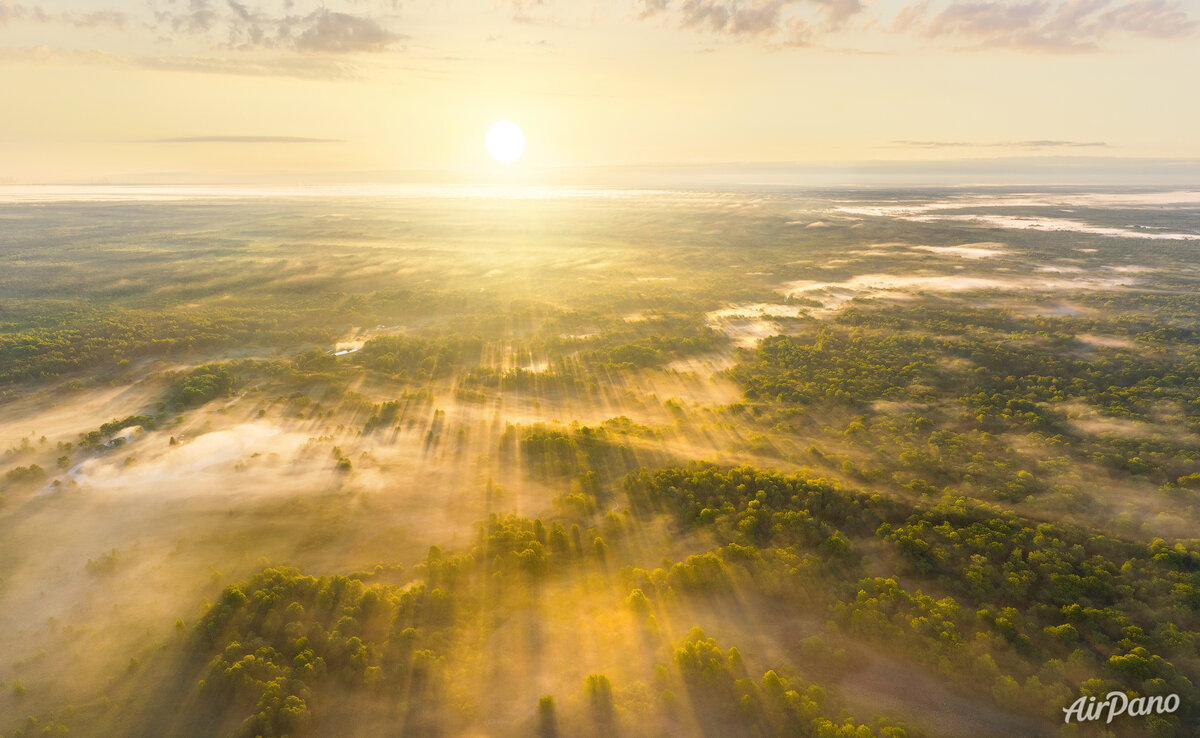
322, 30
1030, 144
1157, 18
241, 139
13, 10
9, 10
791, 21
99, 18
1049, 26
354, 28
723, 16
234, 25
1039, 25
340, 33
299, 66
291, 65
838, 12
523, 9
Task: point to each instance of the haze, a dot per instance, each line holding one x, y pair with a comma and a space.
775, 368
203, 90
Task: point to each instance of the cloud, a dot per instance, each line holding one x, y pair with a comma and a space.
653, 7
241, 11
291, 65
792, 22
799, 33
909, 16
839, 12
1031, 144
12, 10
522, 8
97, 19
1049, 26
199, 17
1158, 18
300, 66
334, 28
1042, 143
985, 18
321, 31
340, 33
1041, 25
243, 139
730, 16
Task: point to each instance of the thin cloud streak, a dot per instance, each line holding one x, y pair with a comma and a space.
242, 139
1030, 144
299, 66
13, 10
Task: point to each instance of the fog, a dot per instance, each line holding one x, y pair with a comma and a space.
449, 407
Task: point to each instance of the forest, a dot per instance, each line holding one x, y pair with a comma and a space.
730, 463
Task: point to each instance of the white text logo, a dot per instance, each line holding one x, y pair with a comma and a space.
1119, 703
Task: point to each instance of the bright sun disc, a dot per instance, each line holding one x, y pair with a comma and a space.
505, 141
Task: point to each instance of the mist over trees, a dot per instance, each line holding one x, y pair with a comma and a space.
616, 467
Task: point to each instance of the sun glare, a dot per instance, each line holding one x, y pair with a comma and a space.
505, 141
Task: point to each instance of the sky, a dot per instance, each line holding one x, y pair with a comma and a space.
219, 90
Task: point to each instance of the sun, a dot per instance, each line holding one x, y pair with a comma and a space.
505, 141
